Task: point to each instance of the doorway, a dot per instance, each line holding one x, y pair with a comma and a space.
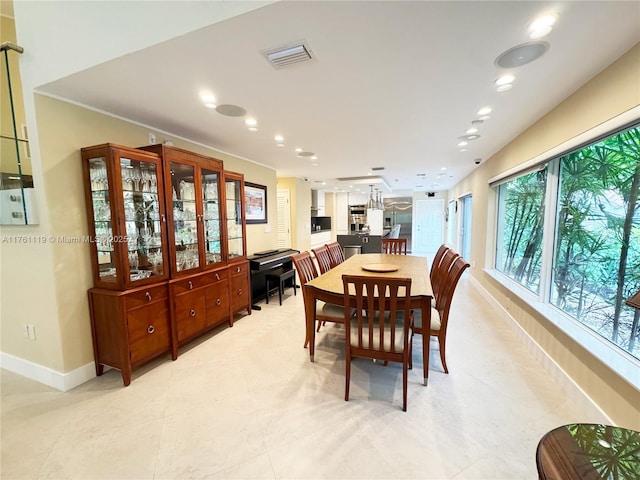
284, 219
427, 227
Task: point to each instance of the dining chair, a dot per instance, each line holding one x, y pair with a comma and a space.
325, 312
379, 326
336, 252
440, 314
397, 246
323, 258
437, 258
440, 274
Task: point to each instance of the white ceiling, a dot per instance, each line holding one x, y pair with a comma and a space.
392, 84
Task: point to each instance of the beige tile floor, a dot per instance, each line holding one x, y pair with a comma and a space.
245, 402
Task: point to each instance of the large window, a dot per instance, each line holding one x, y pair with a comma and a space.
591, 263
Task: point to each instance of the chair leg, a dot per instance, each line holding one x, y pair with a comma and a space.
347, 375
411, 351
441, 343
267, 294
404, 384
280, 288
294, 284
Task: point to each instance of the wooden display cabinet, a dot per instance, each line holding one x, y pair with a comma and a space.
127, 230
169, 257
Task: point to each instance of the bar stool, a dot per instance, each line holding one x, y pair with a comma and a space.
279, 277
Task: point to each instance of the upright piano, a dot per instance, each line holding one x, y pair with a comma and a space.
261, 263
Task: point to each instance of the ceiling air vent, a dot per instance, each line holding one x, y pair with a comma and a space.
289, 55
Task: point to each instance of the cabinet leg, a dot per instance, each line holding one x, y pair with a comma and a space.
126, 376
99, 369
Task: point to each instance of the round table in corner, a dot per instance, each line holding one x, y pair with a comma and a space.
588, 451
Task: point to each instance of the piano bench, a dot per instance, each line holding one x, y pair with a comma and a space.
279, 277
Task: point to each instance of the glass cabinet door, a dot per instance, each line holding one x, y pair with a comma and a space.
211, 216
143, 219
185, 217
234, 214
102, 218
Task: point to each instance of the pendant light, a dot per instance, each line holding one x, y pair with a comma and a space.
371, 203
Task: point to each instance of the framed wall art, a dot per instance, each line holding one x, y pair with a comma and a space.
255, 203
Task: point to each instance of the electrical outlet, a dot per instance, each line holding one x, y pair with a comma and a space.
32, 332
152, 138
25, 330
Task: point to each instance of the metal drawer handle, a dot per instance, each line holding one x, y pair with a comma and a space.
217, 277
239, 291
150, 329
238, 270
148, 296
218, 302
190, 285
192, 313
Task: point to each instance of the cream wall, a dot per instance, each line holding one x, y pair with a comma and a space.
300, 196
612, 92
45, 283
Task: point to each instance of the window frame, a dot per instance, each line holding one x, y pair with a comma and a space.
623, 363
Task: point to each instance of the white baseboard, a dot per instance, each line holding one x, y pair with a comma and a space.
571, 388
45, 375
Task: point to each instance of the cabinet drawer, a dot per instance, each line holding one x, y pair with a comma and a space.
216, 276
148, 329
237, 269
217, 301
239, 292
188, 284
145, 296
190, 313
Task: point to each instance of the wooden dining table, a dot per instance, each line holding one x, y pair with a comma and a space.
328, 287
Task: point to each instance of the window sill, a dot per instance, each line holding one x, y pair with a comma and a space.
622, 363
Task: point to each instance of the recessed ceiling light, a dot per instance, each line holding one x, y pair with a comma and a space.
278, 138
541, 26
504, 88
253, 129
521, 54
443, 169
251, 122
231, 110
484, 111
314, 157
207, 98
297, 149
468, 138
210, 105
484, 118
279, 144
463, 144
505, 79
462, 150
472, 130
324, 183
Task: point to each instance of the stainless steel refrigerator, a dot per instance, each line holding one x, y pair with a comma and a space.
398, 211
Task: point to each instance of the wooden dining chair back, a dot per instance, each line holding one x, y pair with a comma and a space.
325, 312
336, 252
438, 258
323, 257
379, 324
440, 314
396, 246
442, 270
